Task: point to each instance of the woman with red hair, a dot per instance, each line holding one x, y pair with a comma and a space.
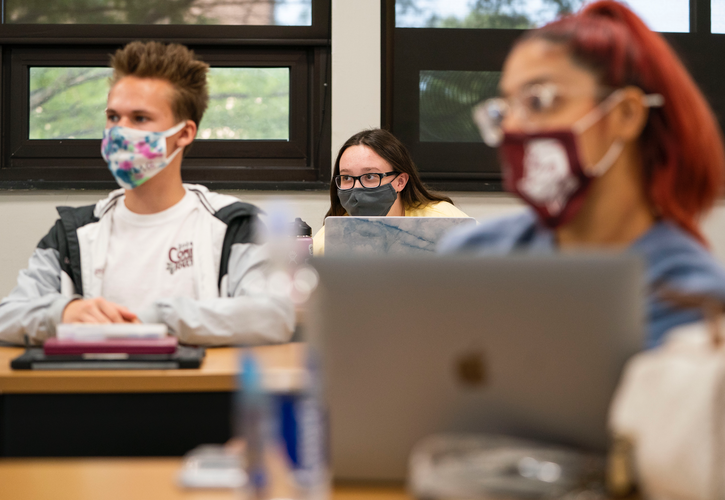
604, 134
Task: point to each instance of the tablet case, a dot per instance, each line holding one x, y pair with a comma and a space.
35, 359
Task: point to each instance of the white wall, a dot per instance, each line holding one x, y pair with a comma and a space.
355, 68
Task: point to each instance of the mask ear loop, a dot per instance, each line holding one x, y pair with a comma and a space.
601, 167
170, 158
174, 129
169, 133
596, 114
585, 122
608, 159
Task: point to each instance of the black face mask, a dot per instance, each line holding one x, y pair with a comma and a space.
368, 202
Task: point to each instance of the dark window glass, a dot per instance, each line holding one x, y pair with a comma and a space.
446, 101
199, 12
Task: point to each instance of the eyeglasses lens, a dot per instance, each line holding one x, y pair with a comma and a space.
370, 180
366, 180
344, 181
489, 116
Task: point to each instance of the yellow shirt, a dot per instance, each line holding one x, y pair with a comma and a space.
437, 209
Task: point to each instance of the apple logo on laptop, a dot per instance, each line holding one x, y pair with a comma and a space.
471, 369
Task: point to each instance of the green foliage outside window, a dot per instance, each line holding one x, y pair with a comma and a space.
244, 103
68, 103
247, 103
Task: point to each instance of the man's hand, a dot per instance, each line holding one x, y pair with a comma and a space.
97, 310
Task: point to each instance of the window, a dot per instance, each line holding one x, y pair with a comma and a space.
67, 102
660, 15
446, 102
718, 16
244, 103
441, 57
266, 125
231, 12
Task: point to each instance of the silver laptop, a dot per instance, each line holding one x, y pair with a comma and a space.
525, 346
387, 235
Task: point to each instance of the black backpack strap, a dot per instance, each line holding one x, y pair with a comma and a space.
243, 226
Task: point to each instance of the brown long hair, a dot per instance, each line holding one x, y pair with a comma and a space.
390, 149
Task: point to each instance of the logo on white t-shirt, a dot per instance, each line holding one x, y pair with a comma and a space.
180, 256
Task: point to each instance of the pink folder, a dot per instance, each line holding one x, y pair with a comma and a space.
166, 345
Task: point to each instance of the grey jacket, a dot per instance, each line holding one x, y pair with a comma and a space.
234, 306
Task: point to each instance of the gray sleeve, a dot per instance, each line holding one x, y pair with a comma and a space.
249, 315
35, 305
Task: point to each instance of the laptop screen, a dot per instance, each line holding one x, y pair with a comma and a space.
387, 235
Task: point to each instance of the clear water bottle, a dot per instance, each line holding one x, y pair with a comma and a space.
283, 423
285, 434
303, 244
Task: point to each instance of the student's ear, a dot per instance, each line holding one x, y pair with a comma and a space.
400, 181
187, 134
630, 116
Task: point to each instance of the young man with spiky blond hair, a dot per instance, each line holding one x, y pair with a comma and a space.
157, 250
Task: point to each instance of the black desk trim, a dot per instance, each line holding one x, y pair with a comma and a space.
112, 425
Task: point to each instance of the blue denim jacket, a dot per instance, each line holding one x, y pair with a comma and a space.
672, 256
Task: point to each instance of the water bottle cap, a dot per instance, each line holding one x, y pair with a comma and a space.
301, 228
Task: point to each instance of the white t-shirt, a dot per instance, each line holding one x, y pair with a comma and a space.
151, 256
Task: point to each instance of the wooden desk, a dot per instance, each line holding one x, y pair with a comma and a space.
217, 373
124, 479
126, 412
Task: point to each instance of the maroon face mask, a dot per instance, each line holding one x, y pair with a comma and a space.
544, 169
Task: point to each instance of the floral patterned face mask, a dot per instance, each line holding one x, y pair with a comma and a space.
134, 156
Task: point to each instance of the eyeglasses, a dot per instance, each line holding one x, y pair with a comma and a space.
533, 104
368, 181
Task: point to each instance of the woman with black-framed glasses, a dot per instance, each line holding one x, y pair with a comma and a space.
374, 175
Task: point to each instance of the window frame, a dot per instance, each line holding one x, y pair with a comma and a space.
302, 162
188, 34
462, 166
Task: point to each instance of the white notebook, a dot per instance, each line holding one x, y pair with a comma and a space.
111, 331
